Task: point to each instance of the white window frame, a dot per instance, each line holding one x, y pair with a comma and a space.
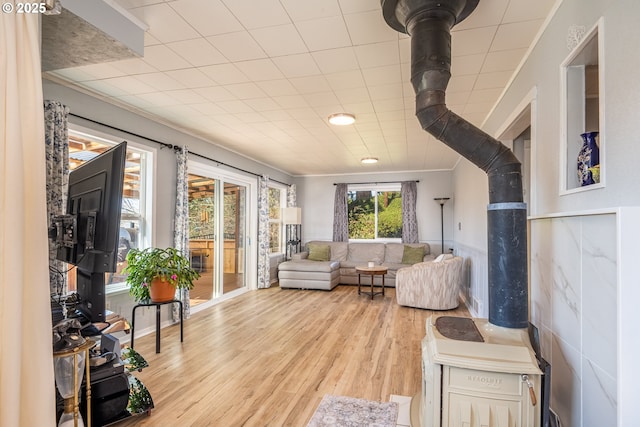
377, 188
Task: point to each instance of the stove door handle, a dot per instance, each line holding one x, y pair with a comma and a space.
532, 391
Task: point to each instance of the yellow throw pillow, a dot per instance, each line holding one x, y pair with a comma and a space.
412, 255
319, 252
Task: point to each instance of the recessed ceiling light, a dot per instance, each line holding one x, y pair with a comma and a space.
342, 119
369, 160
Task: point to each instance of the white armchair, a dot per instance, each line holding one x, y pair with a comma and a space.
434, 285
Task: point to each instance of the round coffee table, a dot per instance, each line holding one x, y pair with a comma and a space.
373, 272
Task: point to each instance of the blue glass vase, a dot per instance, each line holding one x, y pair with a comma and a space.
588, 160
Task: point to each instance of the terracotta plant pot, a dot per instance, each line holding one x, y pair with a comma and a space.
162, 290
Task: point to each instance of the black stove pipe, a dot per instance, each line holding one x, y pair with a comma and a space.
429, 24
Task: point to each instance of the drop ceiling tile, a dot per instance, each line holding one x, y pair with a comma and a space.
191, 78
316, 37
216, 94
352, 96
461, 83
382, 75
306, 10
310, 84
467, 64
503, 61
208, 108
224, 74
209, 18
164, 23
259, 70
186, 96
130, 85
336, 60
99, 71
162, 58
199, 52
149, 40
277, 87
129, 4
484, 96
257, 14
72, 74
245, 90
486, 14
493, 80
158, 99
388, 105
262, 104
525, 10
291, 101
297, 65
515, 36
161, 81
385, 91
404, 47
251, 117
235, 106
279, 40
345, 80
135, 101
469, 42
274, 115
378, 54
239, 46
457, 98
369, 27
302, 113
129, 66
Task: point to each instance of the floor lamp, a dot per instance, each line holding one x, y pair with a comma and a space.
292, 220
442, 201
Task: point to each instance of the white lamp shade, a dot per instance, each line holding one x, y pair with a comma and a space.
291, 216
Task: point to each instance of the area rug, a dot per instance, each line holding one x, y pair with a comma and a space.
342, 411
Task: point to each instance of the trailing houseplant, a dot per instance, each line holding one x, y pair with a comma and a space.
154, 267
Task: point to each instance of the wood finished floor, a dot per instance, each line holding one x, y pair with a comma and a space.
267, 357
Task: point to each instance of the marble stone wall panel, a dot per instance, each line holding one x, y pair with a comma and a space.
599, 400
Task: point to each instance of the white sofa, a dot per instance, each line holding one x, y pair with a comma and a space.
434, 285
303, 273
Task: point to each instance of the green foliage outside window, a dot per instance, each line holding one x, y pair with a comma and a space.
361, 207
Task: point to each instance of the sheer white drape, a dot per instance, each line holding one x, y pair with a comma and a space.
26, 359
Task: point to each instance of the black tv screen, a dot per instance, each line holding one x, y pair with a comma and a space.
94, 200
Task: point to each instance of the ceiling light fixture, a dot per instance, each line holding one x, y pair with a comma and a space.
342, 119
369, 160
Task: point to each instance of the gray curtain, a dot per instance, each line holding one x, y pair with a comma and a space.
409, 192
340, 216
291, 196
264, 276
181, 226
56, 139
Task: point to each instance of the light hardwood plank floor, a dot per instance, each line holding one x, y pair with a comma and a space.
267, 357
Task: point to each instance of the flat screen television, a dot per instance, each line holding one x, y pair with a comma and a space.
89, 233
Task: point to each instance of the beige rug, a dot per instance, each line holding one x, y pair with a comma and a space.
342, 411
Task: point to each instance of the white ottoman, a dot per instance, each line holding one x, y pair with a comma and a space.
306, 274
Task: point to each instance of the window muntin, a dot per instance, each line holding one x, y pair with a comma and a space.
374, 213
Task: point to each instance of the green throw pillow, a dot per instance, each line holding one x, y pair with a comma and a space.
412, 255
319, 252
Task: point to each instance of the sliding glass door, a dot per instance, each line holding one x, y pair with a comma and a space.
218, 232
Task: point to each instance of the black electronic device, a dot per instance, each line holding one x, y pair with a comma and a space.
87, 234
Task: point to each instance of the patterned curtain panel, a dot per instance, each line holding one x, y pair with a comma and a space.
291, 196
56, 140
409, 191
340, 216
181, 227
264, 279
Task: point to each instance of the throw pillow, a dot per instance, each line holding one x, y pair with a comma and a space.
412, 255
319, 252
443, 257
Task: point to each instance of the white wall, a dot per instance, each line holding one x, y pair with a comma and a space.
567, 255
315, 195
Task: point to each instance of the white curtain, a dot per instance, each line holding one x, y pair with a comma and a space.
181, 227
26, 359
264, 275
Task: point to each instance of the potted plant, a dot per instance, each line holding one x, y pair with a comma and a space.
155, 274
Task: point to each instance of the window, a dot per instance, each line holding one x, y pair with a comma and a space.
134, 224
277, 198
375, 213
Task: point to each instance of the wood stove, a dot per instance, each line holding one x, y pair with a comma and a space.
476, 374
